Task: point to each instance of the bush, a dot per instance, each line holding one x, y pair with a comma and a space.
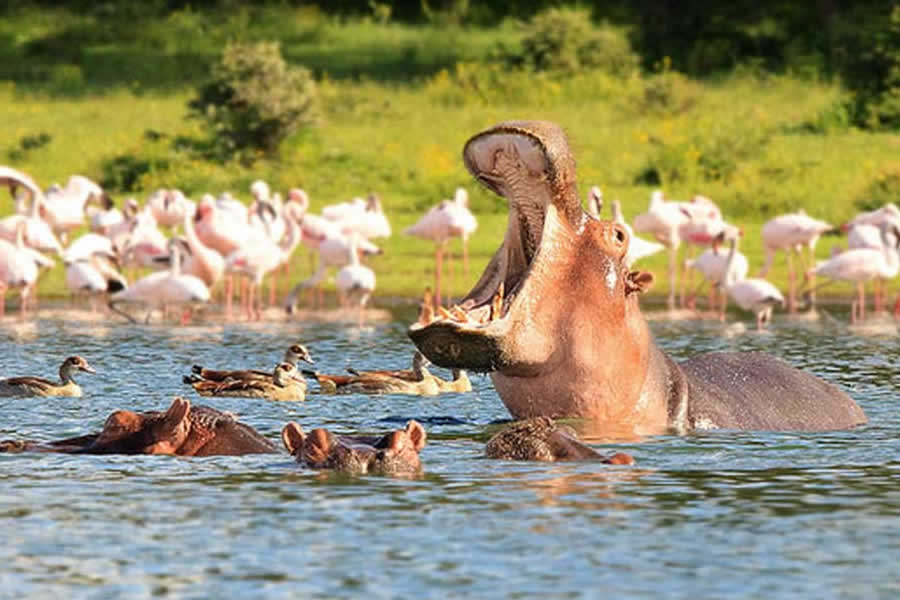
564, 39
255, 100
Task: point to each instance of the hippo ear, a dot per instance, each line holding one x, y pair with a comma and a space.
292, 437
416, 434
638, 281
177, 413
317, 447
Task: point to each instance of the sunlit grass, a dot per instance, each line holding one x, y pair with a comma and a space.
403, 139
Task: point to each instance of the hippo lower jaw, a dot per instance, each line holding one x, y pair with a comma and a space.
481, 333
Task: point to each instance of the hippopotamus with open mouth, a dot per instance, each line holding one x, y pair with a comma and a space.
181, 430
555, 318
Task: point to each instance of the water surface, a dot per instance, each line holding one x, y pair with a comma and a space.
711, 515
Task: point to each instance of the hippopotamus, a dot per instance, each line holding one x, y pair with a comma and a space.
541, 439
396, 453
181, 430
555, 318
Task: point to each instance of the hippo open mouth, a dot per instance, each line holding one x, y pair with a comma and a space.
520, 162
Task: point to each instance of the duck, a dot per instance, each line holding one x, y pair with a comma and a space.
460, 382
292, 355
417, 381
38, 386
284, 385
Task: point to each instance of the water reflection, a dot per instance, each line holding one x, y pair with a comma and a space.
750, 514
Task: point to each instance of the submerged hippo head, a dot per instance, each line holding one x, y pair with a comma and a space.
128, 432
541, 439
182, 429
396, 453
557, 300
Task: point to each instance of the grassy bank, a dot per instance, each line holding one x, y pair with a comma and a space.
757, 144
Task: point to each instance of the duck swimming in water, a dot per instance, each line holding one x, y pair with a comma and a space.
283, 384
38, 386
292, 356
417, 381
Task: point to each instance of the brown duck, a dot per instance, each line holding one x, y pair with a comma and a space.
283, 384
417, 381
38, 386
292, 355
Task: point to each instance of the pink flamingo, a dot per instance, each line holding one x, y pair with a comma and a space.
754, 294
355, 282
258, 258
790, 233
64, 207
448, 219
170, 206
15, 179
860, 265
663, 220
38, 233
365, 217
19, 266
223, 231
163, 288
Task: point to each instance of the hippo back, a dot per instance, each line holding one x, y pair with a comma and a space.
753, 390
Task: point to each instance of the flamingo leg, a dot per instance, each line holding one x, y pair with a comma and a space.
229, 291
438, 259
273, 283
792, 281
673, 262
723, 304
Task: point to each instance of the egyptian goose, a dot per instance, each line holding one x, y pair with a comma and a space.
284, 385
37, 386
417, 382
292, 355
459, 383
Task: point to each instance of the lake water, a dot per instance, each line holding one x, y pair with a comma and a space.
712, 515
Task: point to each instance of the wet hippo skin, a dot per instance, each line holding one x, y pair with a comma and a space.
555, 318
181, 430
540, 439
395, 453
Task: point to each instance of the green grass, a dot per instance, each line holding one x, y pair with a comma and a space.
756, 145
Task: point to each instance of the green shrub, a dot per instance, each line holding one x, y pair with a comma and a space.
565, 40
255, 100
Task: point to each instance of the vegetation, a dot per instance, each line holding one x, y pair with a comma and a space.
397, 102
254, 100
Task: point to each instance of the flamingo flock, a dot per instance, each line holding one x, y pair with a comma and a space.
175, 252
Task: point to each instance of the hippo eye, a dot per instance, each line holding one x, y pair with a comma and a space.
619, 233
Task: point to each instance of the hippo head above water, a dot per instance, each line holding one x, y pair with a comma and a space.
396, 453
541, 439
181, 430
555, 317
